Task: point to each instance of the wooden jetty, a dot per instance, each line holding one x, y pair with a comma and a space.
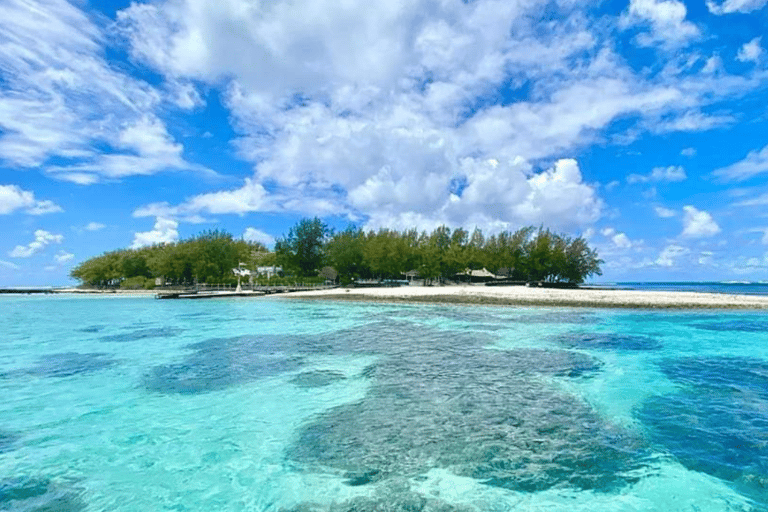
257, 291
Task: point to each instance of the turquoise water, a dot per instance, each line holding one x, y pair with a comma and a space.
133, 404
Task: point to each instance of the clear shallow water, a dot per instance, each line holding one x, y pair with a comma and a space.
132, 404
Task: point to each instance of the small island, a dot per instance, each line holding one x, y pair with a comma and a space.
312, 253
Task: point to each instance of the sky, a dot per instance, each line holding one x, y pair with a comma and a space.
641, 125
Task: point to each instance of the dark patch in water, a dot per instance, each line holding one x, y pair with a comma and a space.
67, 364
316, 378
742, 325
92, 329
446, 401
7, 441
220, 363
141, 334
396, 497
37, 495
610, 341
366, 477
718, 424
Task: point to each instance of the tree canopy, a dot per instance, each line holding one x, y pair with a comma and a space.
207, 258
310, 249
528, 254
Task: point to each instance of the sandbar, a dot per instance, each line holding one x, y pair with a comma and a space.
533, 296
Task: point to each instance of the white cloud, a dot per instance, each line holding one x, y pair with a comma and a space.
669, 255
257, 235
8, 264
62, 257
731, 6
698, 223
94, 226
62, 100
666, 19
751, 51
673, 173
13, 198
42, 239
761, 200
689, 152
712, 65
164, 231
664, 213
383, 130
622, 241
756, 162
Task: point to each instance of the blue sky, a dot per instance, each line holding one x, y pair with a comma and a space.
641, 125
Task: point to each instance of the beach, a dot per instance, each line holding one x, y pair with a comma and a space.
533, 296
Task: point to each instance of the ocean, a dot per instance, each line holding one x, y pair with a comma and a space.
731, 287
134, 404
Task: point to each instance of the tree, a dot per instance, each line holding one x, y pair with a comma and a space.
344, 252
302, 250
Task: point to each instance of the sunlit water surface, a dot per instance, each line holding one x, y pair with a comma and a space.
134, 404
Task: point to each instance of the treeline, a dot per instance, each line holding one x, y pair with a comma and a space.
206, 258
528, 254
311, 249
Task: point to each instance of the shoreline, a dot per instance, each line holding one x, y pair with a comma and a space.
546, 297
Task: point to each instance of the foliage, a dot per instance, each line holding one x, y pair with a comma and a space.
206, 258
301, 252
528, 254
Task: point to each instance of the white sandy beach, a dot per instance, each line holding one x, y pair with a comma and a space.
524, 296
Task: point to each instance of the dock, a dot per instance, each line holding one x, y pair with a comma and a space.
257, 291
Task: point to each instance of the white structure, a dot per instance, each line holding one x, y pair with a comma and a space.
268, 272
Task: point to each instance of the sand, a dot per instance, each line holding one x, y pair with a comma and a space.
524, 296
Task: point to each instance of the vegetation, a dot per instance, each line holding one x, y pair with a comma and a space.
313, 253
207, 258
528, 254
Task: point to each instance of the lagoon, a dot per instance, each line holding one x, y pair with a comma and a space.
131, 404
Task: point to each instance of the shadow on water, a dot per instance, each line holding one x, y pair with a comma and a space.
443, 400
67, 364
37, 495
608, 341
717, 424
141, 334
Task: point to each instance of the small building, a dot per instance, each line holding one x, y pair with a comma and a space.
268, 271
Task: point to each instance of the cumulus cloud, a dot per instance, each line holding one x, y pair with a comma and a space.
618, 239
164, 231
731, 6
664, 213
698, 223
669, 174
63, 257
756, 162
256, 235
689, 152
666, 20
94, 226
751, 51
42, 240
669, 255
13, 198
400, 127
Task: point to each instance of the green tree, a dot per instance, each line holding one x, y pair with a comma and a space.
301, 251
